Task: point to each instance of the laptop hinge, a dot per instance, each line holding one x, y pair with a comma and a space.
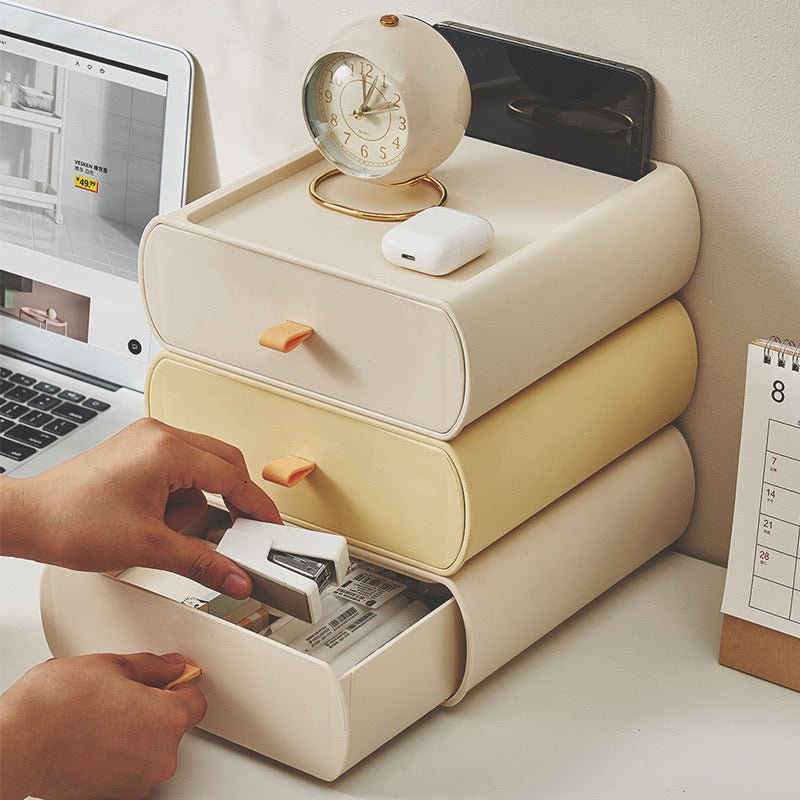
60, 368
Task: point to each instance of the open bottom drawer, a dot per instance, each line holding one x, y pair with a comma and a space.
294, 708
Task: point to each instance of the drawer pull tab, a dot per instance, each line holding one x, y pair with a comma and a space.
287, 471
285, 337
190, 672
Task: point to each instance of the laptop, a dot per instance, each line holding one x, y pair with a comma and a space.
94, 134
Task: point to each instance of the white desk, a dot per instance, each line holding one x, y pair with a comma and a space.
625, 700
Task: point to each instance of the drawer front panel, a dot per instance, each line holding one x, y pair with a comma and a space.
372, 350
261, 694
376, 486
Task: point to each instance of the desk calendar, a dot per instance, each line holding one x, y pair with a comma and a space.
763, 581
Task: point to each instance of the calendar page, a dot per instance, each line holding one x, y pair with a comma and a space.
763, 580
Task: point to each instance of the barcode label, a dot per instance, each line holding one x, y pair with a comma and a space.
320, 634
376, 581
344, 635
351, 611
369, 588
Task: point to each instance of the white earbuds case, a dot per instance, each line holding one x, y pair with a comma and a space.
438, 240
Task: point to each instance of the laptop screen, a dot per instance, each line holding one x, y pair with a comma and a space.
81, 149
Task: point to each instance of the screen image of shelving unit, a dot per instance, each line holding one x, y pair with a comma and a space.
31, 175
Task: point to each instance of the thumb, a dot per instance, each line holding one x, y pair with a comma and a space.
196, 559
150, 669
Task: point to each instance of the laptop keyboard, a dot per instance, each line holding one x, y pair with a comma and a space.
35, 414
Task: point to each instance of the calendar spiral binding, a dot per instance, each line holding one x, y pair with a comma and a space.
785, 349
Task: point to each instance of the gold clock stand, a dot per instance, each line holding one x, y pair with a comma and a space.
426, 181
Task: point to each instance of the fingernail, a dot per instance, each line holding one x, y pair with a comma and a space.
173, 658
235, 586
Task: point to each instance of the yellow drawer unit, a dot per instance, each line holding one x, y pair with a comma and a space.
422, 501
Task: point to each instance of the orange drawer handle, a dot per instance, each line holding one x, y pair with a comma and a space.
285, 337
287, 471
190, 672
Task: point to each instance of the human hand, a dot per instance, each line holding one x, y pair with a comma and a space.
95, 726
120, 505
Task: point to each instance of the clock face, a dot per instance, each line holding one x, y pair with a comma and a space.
356, 114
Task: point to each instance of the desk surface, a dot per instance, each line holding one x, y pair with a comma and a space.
624, 700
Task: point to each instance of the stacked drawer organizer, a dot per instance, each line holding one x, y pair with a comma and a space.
507, 425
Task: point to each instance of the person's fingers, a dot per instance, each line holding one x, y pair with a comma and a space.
183, 507
217, 447
191, 699
213, 474
196, 559
147, 668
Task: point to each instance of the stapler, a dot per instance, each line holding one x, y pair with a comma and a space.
288, 566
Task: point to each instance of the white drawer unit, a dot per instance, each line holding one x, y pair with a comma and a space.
258, 279
294, 708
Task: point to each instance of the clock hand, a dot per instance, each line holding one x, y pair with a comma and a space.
378, 109
365, 107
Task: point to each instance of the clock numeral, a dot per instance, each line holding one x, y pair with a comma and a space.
383, 82
347, 136
364, 151
328, 96
334, 120
383, 153
396, 102
366, 69
396, 142
402, 123
352, 68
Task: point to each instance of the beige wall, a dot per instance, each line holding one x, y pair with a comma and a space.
727, 112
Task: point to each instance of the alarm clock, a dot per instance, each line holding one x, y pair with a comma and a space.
386, 101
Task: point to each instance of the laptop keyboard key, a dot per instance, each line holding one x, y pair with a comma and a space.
72, 397
5, 385
44, 402
22, 380
47, 388
20, 394
73, 412
15, 450
36, 418
60, 427
5, 424
30, 436
13, 410
96, 405
4, 372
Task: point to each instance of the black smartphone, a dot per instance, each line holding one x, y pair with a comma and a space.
554, 103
